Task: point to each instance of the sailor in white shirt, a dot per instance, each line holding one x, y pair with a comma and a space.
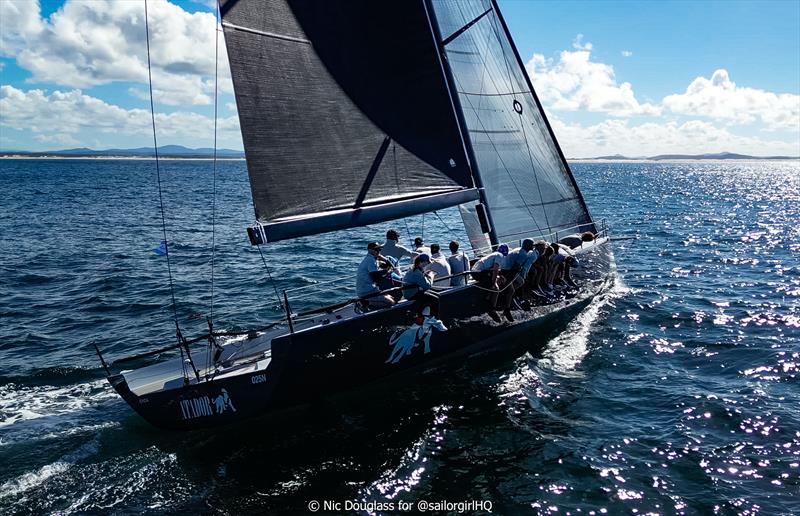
486, 271
489, 262
439, 267
420, 247
458, 263
393, 248
521, 259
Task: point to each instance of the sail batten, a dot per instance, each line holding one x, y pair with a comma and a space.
264, 33
341, 103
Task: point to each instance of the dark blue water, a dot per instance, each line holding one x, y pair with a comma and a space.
675, 393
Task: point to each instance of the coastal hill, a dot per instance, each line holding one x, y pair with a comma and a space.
669, 157
165, 151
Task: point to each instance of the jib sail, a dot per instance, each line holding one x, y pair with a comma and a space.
529, 189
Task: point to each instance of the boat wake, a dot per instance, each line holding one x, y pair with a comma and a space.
540, 383
565, 352
41, 412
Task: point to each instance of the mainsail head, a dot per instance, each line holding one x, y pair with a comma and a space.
345, 113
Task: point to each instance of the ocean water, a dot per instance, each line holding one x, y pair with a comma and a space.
676, 392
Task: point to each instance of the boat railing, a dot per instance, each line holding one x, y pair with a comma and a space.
554, 236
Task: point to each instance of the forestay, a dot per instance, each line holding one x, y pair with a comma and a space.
528, 185
345, 113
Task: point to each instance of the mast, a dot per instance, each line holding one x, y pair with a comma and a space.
521, 64
462, 124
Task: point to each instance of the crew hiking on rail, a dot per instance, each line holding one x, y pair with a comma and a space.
512, 278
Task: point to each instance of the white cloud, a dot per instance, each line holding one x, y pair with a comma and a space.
575, 82
626, 53
693, 137
61, 139
85, 44
60, 116
720, 98
578, 43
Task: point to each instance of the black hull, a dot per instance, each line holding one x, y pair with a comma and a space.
344, 355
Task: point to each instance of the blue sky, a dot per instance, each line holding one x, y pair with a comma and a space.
636, 78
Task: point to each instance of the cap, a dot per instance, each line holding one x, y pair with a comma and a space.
424, 257
374, 245
503, 249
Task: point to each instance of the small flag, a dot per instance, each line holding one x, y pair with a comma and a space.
161, 250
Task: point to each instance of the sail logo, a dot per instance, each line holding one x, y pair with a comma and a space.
204, 406
412, 337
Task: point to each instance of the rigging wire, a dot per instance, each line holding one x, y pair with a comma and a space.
452, 233
214, 180
158, 171
212, 343
269, 274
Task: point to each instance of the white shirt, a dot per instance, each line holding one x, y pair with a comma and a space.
458, 263
364, 283
488, 262
521, 258
395, 250
439, 267
423, 249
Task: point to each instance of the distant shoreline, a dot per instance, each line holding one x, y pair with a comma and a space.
684, 160
576, 160
100, 158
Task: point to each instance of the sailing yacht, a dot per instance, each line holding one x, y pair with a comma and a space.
356, 112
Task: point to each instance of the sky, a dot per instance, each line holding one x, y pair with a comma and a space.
624, 77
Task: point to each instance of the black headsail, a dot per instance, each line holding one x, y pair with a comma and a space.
345, 113
529, 188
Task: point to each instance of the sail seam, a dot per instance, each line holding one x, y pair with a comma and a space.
547, 203
460, 31
229, 25
493, 94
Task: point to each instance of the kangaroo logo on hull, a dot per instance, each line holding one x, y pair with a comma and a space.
412, 337
203, 406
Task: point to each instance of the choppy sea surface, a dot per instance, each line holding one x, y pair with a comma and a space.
676, 392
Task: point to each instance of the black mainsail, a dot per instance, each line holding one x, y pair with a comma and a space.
345, 113
529, 189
